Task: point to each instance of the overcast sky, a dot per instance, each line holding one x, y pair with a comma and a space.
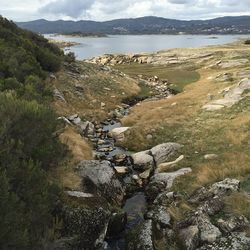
100, 10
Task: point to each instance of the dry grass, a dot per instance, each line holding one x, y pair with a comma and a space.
236, 165
155, 114
179, 212
79, 150
77, 145
224, 132
238, 203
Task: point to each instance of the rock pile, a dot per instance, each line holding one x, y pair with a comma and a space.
199, 230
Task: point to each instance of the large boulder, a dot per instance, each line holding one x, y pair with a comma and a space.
160, 216
218, 189
160, 182
99, 178
75, 119
87, 128
164, 152
87, 226
208, 202
149, 159
143, 160
119, 133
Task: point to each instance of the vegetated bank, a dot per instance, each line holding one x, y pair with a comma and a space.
28, 148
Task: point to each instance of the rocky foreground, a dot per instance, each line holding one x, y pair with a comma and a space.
180, 161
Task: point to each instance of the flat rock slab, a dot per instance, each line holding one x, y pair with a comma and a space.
244, 74
168, 178
233, 96
233, 63
79, 194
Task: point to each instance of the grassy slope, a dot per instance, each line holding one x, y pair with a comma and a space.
224, 132
99, 86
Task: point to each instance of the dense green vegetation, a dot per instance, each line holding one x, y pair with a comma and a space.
28, 148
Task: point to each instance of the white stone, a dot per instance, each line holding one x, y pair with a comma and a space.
119, 133
210, 156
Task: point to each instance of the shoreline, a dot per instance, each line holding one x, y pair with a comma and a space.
190, 41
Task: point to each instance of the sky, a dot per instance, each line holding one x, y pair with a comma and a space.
101, 10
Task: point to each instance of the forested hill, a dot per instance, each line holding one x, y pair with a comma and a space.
144, 25
28, 148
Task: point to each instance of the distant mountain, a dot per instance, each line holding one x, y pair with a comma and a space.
144, 25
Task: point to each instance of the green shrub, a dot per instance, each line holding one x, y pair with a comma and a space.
9, 84
70, 57
26, 131
13, 233
28, 147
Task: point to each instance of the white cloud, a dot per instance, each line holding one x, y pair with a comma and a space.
110, 9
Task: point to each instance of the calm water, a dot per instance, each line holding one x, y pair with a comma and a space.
90, 47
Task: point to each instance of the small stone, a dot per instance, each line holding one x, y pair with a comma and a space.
210, 97
108, 89
135, 177
149, 137
78, 194
121, 170
210, 156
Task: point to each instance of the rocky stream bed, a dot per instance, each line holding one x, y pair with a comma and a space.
132, 195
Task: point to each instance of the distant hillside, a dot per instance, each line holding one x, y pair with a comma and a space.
144, 25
